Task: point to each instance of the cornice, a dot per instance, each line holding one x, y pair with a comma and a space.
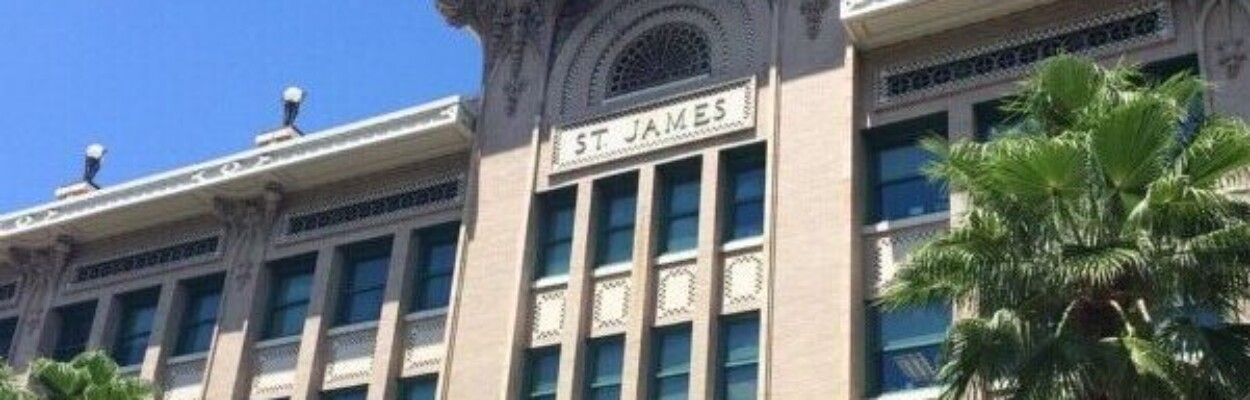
444, 113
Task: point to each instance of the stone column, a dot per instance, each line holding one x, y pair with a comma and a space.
707, 283
249, 225
310, 369
581, 274
635, 371
816, 300
516, 35
388, 352
163, 332
42, 269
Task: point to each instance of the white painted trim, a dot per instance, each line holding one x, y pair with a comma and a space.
278, 342
673, 258
613, 269
928, 393
741, 244
203, 355
550, 282
356, 327
910, 222
427, 314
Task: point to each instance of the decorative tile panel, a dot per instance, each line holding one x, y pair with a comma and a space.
675, 293
547, 310
424, 349
887, 251
611, 306
422, 197
743, 284
1095, 36
178, 254
273, 371
349, 358
184, 380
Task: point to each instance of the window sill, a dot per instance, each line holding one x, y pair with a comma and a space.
613, 269
550, 282
359, 326
275, 342
910, 222
744, 243
928, 393
203, 355
130, 369
424, 314
673, 258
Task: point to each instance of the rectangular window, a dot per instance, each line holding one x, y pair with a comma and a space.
907, 345
680, 222
745, 181
289, 295
351, 393
134, 327
8, 328
199, 315
419, 388
363, 281
1162, 70
607, 357
75, 327
993, 121
899, 187
542, 371
436, 262
739, 357
618, 203
671, 359
555, 234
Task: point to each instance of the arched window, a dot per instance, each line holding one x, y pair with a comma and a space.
663, 54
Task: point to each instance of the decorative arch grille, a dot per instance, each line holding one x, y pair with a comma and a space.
663, 54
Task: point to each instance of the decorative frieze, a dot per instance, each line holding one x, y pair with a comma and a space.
422, 197
424, 347
190, 251
610, 313
273, 370
1103, 34
547, 312
675, 294
184, 379
887, 249
349, 357
743, 282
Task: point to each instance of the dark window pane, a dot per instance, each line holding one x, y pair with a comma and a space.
683, 198
556, 234
911, 198
748, 220
672, 388
361, 306
288, 321
355, 393
682, 234
134, 327
542, 373
423, 388
908, 347
746, 180
902, 163
435, 292
556, 262
748, 184
442, 258
199, 317
130, 351
75, 327
289, 305
368, 274
8, 328
618, 247
621, 211
740, 383
607, 359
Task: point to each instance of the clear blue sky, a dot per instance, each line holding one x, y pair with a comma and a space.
168, 83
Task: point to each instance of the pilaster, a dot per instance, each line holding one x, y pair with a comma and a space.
389, 349
42, 269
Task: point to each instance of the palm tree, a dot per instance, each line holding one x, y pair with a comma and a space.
10, 387
92, 375
1101, 257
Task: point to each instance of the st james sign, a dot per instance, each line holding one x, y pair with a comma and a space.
683, 119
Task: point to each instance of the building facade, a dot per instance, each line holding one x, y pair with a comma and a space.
651, 199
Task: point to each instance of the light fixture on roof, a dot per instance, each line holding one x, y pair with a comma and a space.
93, 157
95, 154
292, 99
